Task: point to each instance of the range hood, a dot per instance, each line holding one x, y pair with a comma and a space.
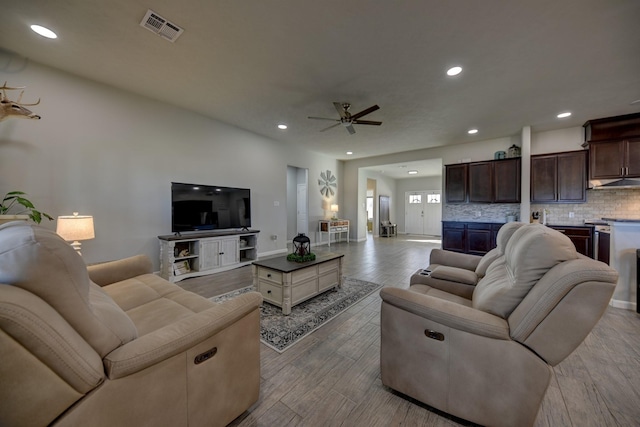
613, 184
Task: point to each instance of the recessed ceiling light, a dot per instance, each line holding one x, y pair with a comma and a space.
563, 115
282, 126
472, 131
454, 71
349, 153
413, 172
44, 32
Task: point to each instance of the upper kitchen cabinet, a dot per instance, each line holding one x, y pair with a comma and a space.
559, 177
615, 159
480, 182
494, 181
614, 147
506, 181
456, 183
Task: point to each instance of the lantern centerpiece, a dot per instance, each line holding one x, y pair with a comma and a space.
301, 249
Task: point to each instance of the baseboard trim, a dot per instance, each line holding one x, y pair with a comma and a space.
269, 253
627, 305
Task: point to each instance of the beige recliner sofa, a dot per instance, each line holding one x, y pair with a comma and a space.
488, 358
114, 345
458, 273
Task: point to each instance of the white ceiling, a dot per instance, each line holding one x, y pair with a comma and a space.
256, 63
424, 168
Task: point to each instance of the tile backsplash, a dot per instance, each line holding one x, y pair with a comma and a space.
621, 203
479, 212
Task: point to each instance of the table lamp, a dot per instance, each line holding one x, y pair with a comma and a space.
334, 209
74, 228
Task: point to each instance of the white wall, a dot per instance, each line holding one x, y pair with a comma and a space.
112, 154
569, 139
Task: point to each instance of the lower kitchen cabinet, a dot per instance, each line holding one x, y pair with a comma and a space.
475, 238
581, 236
604, 247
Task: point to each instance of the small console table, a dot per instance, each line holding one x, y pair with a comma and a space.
201, 253
335, 227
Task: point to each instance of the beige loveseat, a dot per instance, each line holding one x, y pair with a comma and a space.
488, 358
114, 345
459, 273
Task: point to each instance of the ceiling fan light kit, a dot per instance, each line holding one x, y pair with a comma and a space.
347, 119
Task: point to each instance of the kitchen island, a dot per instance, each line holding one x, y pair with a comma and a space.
625, 241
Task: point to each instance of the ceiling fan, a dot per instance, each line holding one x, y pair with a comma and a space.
347, 119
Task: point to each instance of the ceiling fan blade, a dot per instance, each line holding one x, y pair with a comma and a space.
340, 109
366, 122
365, 112
330, 127
322, 118
351, 129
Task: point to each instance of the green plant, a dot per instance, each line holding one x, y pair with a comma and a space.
14, 199
301, 258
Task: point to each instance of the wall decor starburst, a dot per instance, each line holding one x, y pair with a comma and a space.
327, 183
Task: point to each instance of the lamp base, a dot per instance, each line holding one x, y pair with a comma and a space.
76, 245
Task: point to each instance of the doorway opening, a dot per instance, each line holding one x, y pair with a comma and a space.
371, 207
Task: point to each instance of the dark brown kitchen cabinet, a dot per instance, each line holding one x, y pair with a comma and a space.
481, 182
604, 247
453, 236
581, 237
614, 147
506, 181
456, 183
615, 159
475, 238
559, 177
494, 181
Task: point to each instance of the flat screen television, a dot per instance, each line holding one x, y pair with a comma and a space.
196, 207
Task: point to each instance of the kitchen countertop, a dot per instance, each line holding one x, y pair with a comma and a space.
621, 220
571, 226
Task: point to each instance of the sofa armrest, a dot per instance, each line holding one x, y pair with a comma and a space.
447, 313
455, 274
454, 259
173, 339
110, 272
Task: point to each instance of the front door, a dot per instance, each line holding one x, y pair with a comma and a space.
423, 212
414, 212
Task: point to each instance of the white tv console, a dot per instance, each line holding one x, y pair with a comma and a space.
201, 253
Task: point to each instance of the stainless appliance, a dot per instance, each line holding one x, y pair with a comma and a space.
601, 233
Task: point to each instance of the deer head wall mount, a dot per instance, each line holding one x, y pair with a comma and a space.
9, 108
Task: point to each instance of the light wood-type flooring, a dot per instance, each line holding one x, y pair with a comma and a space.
332, 377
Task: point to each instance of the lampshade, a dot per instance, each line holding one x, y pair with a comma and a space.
75, 227
334, 208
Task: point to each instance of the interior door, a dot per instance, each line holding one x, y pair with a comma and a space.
383, 210
302, 215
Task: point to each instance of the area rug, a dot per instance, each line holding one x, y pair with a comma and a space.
280, 332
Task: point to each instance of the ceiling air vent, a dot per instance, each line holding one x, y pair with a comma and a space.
156, 23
